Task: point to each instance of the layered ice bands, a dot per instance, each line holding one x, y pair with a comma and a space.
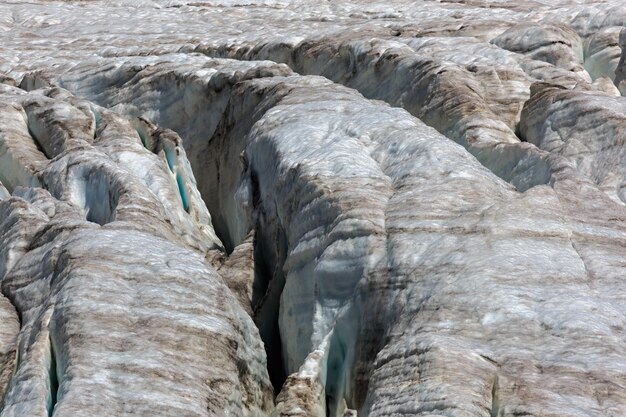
122, 323
120, 314
364, 216
587, 128
275, 208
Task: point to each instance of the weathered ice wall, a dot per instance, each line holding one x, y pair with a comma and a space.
294, 208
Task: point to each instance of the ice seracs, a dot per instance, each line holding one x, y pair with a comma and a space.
120, 321
585, 128
409, 232
373, 208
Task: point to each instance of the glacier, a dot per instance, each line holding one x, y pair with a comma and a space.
294, 208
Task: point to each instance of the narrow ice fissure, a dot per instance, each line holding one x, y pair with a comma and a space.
182, 189
335, 376
269, 282
495, 406
96, 120
142, 136
170, 157
100, 203
37, 143
53, 380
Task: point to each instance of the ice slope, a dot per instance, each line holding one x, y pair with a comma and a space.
116, 322
389, 270
96, 160
119, 312
379, 219
585, 128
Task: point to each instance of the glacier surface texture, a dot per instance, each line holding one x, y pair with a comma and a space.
302, 208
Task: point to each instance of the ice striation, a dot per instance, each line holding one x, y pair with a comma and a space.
272, 208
